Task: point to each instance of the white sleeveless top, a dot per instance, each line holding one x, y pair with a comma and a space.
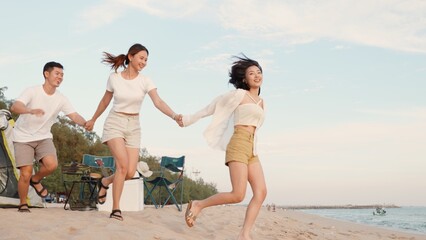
249, 114
222, 108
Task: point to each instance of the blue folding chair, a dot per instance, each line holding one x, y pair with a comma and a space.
81, 180
105, 164
171, 179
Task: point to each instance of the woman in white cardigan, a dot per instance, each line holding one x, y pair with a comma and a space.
243, 111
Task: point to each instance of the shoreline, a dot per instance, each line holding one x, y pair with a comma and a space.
216, 223
348, 206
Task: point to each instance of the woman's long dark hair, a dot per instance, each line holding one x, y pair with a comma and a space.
238, 71
122, 60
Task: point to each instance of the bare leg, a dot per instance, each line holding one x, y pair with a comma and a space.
125, 161
24, 183
258, 185
133, 156
106, 181
239, 176
47, 166
118, 150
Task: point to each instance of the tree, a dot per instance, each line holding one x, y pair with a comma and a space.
3, 101
6, 103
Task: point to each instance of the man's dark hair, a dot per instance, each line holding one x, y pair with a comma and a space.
50, 65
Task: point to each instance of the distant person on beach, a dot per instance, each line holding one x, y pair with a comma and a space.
122, 131
38, 108
245, 109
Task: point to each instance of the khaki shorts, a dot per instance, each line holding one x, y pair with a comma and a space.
240, 148
26, 152
119, 125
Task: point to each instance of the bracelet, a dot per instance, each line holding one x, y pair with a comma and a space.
173, 116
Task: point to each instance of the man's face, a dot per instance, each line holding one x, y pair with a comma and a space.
54, 77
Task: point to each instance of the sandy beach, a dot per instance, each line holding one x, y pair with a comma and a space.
221, 223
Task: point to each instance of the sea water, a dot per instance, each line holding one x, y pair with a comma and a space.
406, 219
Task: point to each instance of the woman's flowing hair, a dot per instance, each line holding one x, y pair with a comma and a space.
122, 60
238, 71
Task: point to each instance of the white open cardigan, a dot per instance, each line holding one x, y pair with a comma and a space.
219, 131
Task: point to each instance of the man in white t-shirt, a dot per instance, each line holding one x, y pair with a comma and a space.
38, 108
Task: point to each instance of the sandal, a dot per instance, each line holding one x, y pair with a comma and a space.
189, 215
102, 186
23, 208
116, 214
32, 183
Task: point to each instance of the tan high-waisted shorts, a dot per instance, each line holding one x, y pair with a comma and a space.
118, 125
240, 148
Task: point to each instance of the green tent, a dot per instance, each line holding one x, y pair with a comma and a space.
9, 174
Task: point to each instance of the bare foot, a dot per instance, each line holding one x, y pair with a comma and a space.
243, 236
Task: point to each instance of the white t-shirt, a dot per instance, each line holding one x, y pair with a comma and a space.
128, 94
30, 127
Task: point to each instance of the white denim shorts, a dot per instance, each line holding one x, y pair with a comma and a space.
118, 125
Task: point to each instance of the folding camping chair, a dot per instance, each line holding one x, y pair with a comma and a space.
104, 164
171, 179
77, 184
82, 180
100, 166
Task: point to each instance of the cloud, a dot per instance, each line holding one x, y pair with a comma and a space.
215, 62
166, 9
314, 86
340, 47
99, 15
17, 58
392, 24
108, 11
10, 59
385, 138
413, 113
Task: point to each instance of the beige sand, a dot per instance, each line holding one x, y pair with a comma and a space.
221, 223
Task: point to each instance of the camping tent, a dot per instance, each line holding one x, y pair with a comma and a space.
9, 175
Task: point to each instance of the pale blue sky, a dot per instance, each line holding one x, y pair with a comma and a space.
344, 83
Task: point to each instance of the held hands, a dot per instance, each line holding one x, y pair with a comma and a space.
178, 119
89, 125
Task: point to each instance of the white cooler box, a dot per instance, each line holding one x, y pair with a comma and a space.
132, 198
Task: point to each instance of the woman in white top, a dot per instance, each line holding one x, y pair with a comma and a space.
243, 110
122, 127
